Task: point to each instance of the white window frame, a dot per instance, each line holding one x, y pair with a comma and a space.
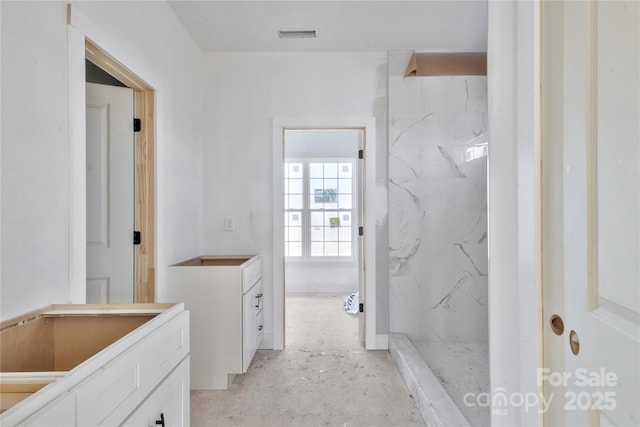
306, 209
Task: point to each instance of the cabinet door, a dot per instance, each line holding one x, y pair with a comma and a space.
249, 326
61, 412
171, 398
169, 402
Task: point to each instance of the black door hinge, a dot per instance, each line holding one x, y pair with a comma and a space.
137, 125
361, 154
360, 231
361, 307
137, 238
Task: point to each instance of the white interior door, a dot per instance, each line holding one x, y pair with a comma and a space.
591, 212
110, 194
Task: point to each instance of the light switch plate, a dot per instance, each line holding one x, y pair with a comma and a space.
229, 223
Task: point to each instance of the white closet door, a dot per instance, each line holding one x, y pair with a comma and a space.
110, 194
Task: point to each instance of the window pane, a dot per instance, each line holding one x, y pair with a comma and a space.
295, 202
330, 170
317, 234
346, 219
344, 248
331, 234
317, 218
295, 170
295, 234
331, 249
316, 193
286, 249
295, 249
327, 217
317, 249
344, 234
295, 218
331, 205
344, 186
344, 170
329, 231
331, 185
344, 201
316, 170
295, 186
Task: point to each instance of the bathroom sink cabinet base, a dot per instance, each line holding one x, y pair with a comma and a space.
80, 364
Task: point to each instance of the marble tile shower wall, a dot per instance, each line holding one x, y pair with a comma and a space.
438, 206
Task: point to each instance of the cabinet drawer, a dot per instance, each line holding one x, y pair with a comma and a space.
251, 273
112, 393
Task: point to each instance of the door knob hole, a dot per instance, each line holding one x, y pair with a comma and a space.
557, 324
574, 342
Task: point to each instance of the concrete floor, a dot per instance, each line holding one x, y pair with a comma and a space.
323, 377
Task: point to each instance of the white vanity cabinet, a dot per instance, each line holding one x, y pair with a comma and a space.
168, 405
225, 297
96, 365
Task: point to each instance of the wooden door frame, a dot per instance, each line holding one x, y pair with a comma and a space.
144, 169
82, 35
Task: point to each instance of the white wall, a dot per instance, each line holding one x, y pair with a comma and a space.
314, 278
35, 132
34, 156
245, 92
513, 293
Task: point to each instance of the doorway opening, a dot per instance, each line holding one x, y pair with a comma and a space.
323, 199
142, 233
369, 210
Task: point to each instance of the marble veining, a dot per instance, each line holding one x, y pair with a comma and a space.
455, 169
438, 206
402, 132
466, 254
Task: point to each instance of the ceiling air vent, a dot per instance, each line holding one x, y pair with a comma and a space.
304, 34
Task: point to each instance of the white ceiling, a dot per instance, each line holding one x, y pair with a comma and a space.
361, 25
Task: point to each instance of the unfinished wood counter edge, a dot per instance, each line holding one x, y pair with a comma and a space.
18, 320
201, 261
74, 309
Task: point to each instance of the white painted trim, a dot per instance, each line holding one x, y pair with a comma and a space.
79, 29
278, 238
77, 167
370, 214
0, 144
267, 342
513, 87
382, 342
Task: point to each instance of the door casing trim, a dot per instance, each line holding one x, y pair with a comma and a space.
372, 342
85, 40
